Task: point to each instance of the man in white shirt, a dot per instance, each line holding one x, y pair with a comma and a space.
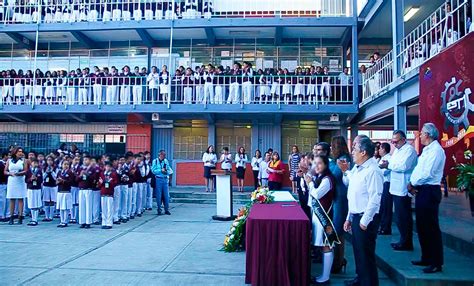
365, 187
425, 184
401, 165
386, 205
262, 171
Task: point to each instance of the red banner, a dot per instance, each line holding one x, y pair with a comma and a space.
446, 99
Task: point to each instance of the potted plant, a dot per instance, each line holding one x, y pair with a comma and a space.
465, 179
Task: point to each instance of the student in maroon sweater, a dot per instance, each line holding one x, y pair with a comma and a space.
34, 179
96, 192
86, 178
65, 180
108, 181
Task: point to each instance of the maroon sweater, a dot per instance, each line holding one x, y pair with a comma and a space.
109, 181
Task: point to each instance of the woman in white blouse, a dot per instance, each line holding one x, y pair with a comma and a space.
209, 159
256, 161
240, 161
321, 189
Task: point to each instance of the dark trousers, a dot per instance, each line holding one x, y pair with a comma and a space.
404, 220
363, 242
427, 224
255, 179
303, 198
386, 209
274, 186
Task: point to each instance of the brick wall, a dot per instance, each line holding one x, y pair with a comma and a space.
192, 174
138, 135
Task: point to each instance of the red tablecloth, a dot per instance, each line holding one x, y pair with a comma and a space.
277, 245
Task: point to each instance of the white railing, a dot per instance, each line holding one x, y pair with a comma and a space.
69, 11
440, 30
192, 89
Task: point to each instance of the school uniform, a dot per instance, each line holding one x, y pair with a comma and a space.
28, 88
49, 93
96, 81
64, 203
209, 160
207, 9
190, 9
71, 89
247, 86
276, 88
93, 12
188, 82
299, 88
219, 90
234, 89
208, 88
84, 84
139, 179
263, 174
58, 15
75, 15
132, 194
126, 7
169, 13
107, 14
61, 92
85, 177
199, 81
286, 92
149, 186
75, 194
255, 163
153, 86
312, 90
124, 173
66, 13
240, 161
264, 88
149, 11
50, 11
159, 8
7, 91
136, 82
96, 196
112, 88
110, 180
145, 175
164, 86
3, 190
117, 12
33, 186
125, 88
50, 191
325, 90
137, 11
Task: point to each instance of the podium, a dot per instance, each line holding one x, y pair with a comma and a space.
224, 207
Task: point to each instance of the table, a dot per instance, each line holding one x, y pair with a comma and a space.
283, 196
277, 245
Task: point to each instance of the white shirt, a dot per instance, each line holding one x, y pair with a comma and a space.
386, 172
318, 192
263, 174
430, 167
401, 165
240, 162
256, 163
209, 159
226, 161
153, 79
365, 187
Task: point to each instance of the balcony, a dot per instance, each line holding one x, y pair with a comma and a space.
441, 29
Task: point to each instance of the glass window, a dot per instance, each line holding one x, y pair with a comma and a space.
303, 134
233, 136
190, 139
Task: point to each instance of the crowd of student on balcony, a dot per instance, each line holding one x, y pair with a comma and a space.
203, 85
68, 11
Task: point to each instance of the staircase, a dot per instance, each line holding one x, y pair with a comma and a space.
194, 195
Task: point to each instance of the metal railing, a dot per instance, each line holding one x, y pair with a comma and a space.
192, 89
440, 30
69, 11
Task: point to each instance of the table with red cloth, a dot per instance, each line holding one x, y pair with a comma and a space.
277, 245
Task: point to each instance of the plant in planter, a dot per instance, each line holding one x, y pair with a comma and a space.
465, 178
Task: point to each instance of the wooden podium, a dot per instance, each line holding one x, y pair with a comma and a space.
224, 206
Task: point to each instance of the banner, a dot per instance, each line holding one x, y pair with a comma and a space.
446, 99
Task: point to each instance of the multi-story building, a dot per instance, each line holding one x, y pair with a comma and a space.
271, 34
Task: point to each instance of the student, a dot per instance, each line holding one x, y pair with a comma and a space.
85, 178
275, 172
3, 187
159, 6
124, 173
126, 7
137, 11
209, 85
131, 201
84, 84
247, 87
256, 161
226, 159
143, 175
276, 86
28, 83
199, 81
293, 163
153, 80
50, 189
234, 89
240, 162
325, 90
164, 84
108, 181
219, 86
49, 83
61, 91
125, 85
209, 159
96, 81
95, 191
188, 81
117, 12
71, 87
34, 179
136, 82
18, 90
287, 81
264, 87
149, 186
148, 10
65, 180
262, 172
137, 186
299, 82
75, 190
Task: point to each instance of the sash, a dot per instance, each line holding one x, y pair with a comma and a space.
330, 234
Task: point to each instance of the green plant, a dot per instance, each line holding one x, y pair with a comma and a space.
465, 178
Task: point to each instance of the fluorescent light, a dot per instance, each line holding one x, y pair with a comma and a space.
410, 13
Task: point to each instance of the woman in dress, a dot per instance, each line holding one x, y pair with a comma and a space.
339, 152
240, 161
275, 172
322, 190
293, 163
210, 159
256, 161
16, 187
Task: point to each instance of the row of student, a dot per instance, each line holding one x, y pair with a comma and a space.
68, 11
206, 84
83, 189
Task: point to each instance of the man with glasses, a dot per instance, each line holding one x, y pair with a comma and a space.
401, 166
425, 184
162, 170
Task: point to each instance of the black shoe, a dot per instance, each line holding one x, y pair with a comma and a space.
123, 220
20, 220
32, 223
419, 263
65, 225
384, 232
139, 215
116, 222
167, 213
338, 269
159, 213
104, 227
109, 227
399, 247
45, 219
149, 209
88, 226
433, 269
82, 226
11, 221
96, 223
132, 217
73, 221
353, 282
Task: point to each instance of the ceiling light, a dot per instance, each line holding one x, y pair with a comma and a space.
410, 13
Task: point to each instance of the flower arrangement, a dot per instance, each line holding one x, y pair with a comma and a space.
465, 178
234, 238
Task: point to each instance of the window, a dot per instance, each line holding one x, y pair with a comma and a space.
303, 134
190, 139
233, 135
72, 138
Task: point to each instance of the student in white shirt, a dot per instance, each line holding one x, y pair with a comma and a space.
240, 162
365, 186
255, 163
153, 84
209, 159
386, 205
262, 170
401, 165
425, 184
226, 159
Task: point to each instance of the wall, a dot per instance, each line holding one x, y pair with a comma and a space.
138, 135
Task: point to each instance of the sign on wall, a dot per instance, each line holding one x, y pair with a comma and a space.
446, 99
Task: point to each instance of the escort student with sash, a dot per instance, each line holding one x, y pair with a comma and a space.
321, 195
162, 170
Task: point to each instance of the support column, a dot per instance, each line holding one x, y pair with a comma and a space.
399, 114
344, 131
355, 56
398, 7
353, 135
277, 138
149, 51
211, 134
255, 137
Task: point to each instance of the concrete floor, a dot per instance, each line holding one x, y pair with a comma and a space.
181, 249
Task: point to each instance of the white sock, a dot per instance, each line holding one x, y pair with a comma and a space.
328, 258
51, 211
63, 215
34, 215
46, 211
